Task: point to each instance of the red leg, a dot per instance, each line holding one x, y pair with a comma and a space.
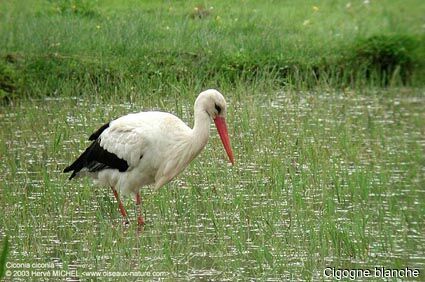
121, 206
140, 219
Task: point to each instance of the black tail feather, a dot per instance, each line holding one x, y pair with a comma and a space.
95, 158
85, 157
79, 163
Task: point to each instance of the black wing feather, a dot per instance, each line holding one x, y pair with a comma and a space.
97, 133
96, 158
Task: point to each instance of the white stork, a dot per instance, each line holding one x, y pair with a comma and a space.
150, 148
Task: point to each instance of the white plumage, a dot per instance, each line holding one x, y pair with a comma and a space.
150, 147
154, 144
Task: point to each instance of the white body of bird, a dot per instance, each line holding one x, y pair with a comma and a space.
150, 147
156, 145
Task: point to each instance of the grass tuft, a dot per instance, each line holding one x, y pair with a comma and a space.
3, 256
9, 79
387, 55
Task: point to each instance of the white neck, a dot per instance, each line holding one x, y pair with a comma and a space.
200, 131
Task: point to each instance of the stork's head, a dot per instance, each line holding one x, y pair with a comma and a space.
212, 102
215, 105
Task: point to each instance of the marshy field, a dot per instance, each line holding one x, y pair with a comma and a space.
326, 117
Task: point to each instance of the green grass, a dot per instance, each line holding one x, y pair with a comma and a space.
322, 179
79, 47
329, 166
3, 256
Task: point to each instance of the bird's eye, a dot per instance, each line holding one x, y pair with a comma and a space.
217, 107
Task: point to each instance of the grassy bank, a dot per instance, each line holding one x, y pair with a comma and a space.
71, 48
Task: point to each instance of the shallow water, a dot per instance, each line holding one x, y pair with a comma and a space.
308, 167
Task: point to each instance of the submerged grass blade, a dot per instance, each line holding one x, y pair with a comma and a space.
3, 256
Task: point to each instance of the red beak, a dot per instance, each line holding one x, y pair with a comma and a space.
220, 123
